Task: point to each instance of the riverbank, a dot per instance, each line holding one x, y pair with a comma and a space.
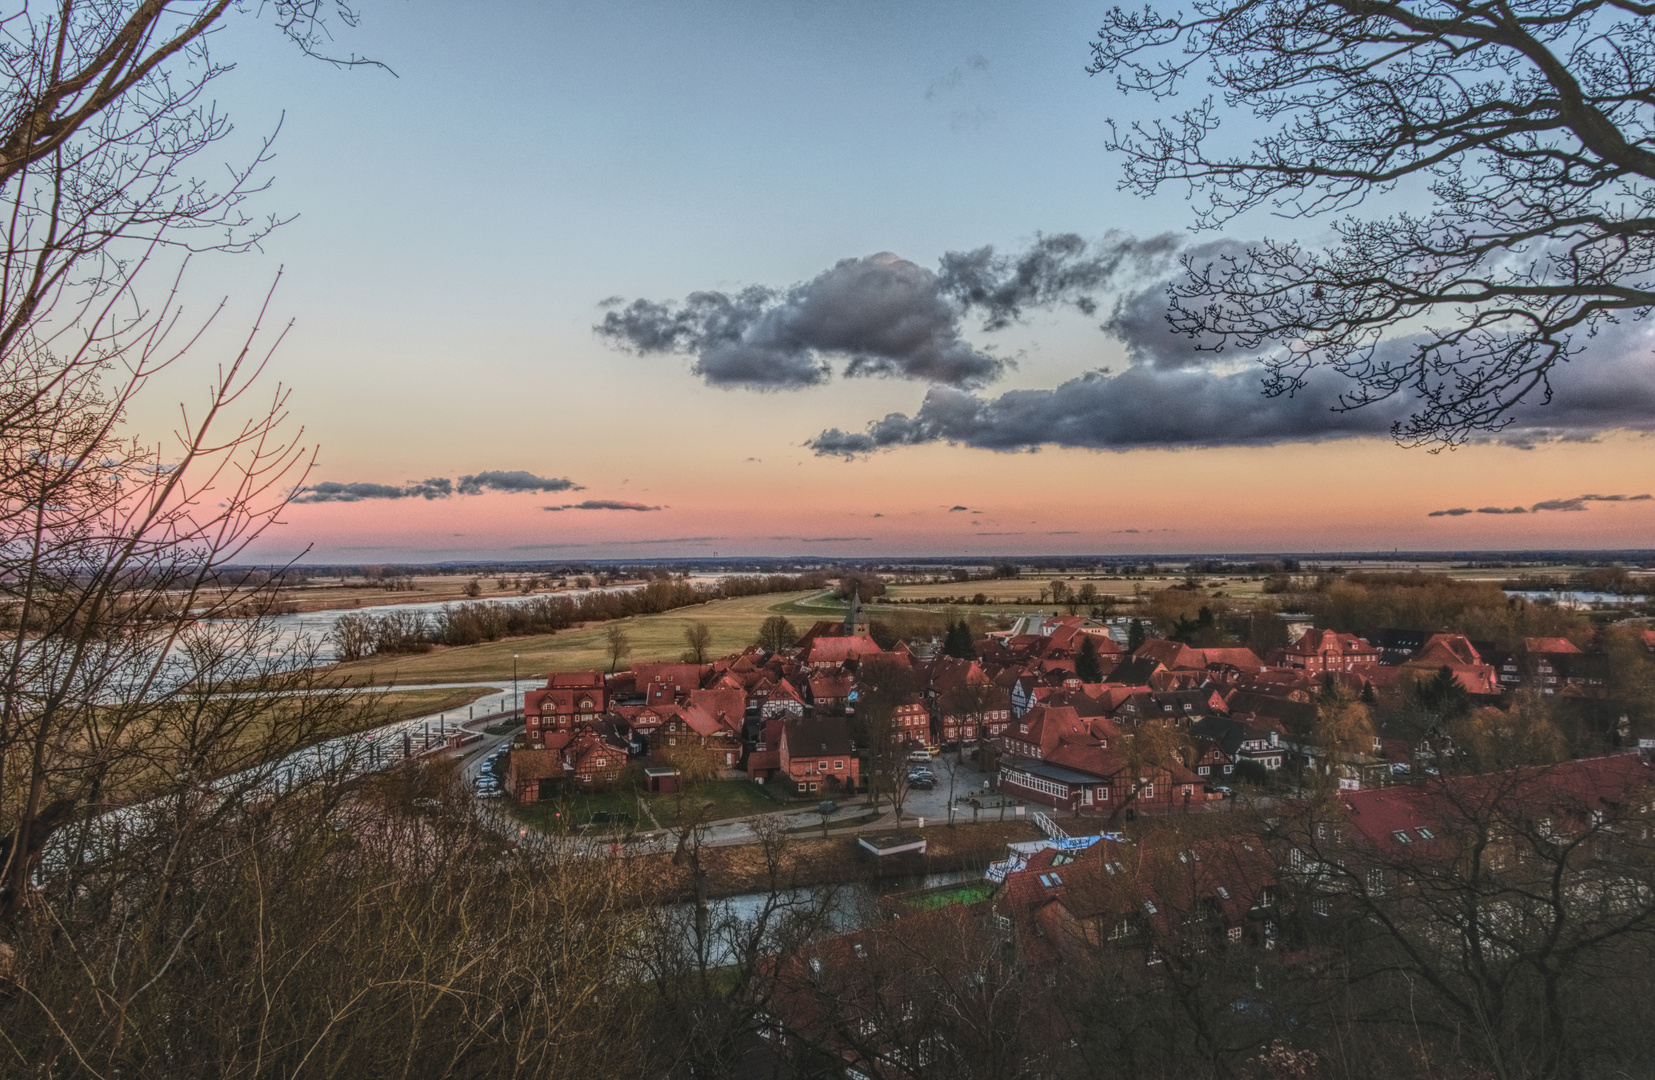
738, 870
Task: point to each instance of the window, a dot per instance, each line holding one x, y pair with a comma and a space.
1235, 935
1402, 837
1426, 834
1223, 893
1228, 769
1321, 906
1203, 770
838, 764
1376, 880
1149, 906
1055, 879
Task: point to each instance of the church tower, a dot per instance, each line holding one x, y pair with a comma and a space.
856, 624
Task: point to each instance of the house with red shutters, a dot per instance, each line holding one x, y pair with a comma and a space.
1319, 651
817, 757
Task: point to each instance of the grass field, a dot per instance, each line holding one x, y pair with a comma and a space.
734, 625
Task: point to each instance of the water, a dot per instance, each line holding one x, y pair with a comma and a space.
1582, 598
316, 627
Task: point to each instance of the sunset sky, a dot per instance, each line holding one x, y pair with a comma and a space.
466, 226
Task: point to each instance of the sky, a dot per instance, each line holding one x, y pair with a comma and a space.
583, 280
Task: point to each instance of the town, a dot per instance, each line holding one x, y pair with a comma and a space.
1192, 812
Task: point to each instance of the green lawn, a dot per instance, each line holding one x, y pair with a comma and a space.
967, 892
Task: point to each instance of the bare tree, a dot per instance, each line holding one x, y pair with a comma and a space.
699, 637
1523, 130
777, 633
617, 643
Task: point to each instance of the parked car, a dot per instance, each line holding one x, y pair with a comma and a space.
1228, 793
920, 756
922, 783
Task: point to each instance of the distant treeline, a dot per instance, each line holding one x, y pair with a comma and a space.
357, 635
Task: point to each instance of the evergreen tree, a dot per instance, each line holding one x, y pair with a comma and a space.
958, 641
1089, 665
1135, 635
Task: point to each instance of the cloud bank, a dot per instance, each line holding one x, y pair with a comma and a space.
514, 480
1172, 396
436, 487
879, 315
1565, 505
602, 504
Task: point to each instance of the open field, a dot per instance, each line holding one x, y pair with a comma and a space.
734, 624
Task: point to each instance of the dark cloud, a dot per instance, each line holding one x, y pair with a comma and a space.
832, 539
955, 509
881, 315
1575, 504
1151, 404
879, 515
1055, 270
1002, 534
1064, 532
514, 480
435, 487
1123, 530
602, 504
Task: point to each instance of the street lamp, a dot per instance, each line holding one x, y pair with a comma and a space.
514, 704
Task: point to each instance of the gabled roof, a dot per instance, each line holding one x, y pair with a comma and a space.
836, 650
728, 706
1550, 645
817, 737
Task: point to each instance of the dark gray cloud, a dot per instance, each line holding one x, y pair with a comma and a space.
435, 487
1575, 504
955, 509
513, 480
830, 539
602, 504
1610, 385
1064, 532
880, 315
1054, 270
